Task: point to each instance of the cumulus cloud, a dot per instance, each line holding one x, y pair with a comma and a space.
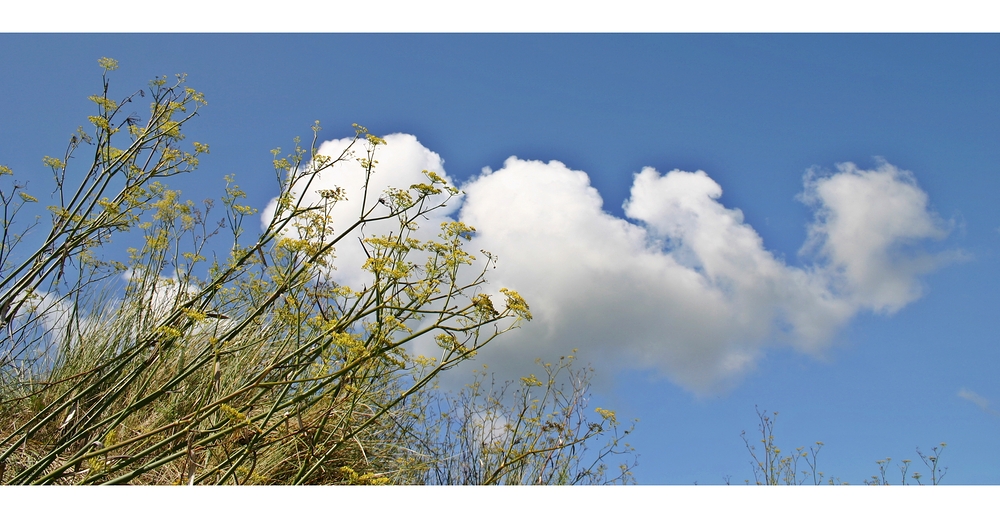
683, 287
867, 223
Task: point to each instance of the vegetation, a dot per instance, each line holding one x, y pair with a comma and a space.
772, 468
187, 363
543, 437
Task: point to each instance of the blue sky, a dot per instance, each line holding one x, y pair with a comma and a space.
866, 341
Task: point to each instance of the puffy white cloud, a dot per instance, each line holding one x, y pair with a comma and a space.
867, 223
684, 287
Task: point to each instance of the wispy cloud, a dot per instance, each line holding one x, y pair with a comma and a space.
980, 401
684, 287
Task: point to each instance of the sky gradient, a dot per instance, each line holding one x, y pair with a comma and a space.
802, 223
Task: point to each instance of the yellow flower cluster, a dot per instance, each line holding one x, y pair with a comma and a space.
516, 303
54, 163
367, 479
108, 63
104, 102
484, 305
531, 381
100, 122
607, 414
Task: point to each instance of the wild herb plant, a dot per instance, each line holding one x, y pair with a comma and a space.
525, 432
772, 468
182, 364
931, 461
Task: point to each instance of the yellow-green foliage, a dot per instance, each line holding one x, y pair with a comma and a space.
252, 368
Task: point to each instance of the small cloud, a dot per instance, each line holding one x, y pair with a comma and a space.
867, 225
980, 401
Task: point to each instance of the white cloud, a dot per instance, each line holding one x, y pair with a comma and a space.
57, 318
686, 288
867, 223
980, 401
